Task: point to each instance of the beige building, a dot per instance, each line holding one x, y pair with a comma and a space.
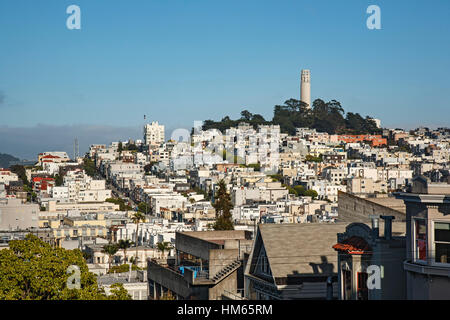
366, 186
17, 215
63, 207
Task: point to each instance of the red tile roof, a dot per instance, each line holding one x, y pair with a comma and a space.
353, 245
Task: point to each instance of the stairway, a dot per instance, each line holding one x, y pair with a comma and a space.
226, 271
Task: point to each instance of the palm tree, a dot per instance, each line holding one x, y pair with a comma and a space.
163, 246
137, 218
125, 244
110, 250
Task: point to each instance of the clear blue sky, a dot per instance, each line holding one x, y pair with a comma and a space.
180, 61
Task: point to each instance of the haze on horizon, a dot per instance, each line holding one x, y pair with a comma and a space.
181, 62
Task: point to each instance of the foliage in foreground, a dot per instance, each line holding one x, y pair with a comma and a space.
32, 270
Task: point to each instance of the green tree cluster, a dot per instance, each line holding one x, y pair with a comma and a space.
21, 173
58, 180
143, 207
299, 190
276, 177
123, 268
310, 158
226, 123
122, 205
89, 167
323, 116
31, 269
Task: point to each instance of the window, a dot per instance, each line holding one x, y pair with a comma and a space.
442, 242
362, 291
420, 238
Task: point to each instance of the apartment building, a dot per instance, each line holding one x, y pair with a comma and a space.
153, 133
17, 215
427, 240
208, 266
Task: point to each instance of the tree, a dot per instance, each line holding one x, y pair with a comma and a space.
246, 115
311, 193
276, 177
143, 207
58, 180
89, 167
310, 158
137, 218
124, 245
223, 208
21, 173
290, 189
300, 190
120, 147
322, 116
122, 205
110, 250
32, 270
118, 292
123, 268
163, 246
131, 147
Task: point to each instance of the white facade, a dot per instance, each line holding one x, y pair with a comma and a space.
153, 133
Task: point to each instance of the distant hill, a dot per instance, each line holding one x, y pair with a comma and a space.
323, 116
5, 160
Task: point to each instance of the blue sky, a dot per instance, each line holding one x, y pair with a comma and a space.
180, 61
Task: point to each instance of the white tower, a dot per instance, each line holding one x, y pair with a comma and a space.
305, 87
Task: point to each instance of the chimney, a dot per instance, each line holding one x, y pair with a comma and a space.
387, 226
375, 226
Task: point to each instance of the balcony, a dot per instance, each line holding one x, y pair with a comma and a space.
443, 271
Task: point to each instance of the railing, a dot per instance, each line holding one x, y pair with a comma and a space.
203, 274
239, 295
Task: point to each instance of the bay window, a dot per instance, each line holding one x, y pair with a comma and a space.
442, 242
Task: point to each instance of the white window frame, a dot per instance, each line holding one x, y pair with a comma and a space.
433, 260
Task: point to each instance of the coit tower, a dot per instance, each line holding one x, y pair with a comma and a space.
305, 87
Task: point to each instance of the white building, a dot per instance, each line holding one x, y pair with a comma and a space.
153, 133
